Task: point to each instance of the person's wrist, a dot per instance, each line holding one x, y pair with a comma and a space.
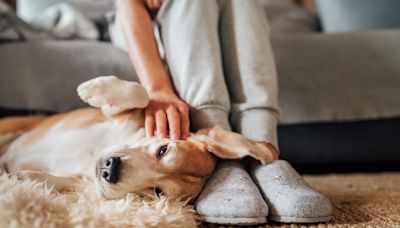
160, 90
156, 80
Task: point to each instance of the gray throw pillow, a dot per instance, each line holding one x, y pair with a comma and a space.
358, 15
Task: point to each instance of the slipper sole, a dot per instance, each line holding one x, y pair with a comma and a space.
288, 219
234, 221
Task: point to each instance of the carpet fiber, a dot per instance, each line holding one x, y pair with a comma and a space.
359, 200
31, 204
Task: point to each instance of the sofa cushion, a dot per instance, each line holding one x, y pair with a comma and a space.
357, 15
338, 77
44, 75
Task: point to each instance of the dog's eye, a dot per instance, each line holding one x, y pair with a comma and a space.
157, 190
162, 151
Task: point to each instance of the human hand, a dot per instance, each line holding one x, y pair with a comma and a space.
153, 4
166, 112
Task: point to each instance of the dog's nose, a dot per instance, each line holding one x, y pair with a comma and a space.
110, 169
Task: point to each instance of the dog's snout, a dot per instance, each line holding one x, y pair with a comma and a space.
110, 169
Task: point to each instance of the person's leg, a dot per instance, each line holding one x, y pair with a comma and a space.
251, 77
200, 84
249, 70
188, 31
189, 34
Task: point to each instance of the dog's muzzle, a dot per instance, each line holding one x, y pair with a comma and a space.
109, 169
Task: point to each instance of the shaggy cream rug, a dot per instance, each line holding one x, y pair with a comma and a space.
31, 204
359, 200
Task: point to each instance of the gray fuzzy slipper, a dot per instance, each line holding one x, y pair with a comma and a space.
231, 197
289, 197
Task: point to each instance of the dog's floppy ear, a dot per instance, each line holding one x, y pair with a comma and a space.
230, 145
113, 95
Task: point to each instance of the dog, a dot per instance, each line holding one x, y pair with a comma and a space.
107, 145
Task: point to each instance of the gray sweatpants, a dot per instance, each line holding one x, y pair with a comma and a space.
220, 60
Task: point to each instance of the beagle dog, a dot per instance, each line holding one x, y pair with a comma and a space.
107, 144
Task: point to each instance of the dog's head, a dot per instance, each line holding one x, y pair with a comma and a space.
177, 168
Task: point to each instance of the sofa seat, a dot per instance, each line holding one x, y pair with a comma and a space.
338, 92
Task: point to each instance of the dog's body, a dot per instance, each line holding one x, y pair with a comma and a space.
109, 146
81, 135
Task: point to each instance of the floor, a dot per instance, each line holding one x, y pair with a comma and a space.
359, 200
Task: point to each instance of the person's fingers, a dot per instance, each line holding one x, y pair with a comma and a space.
149, 123
147, 3
154, 4
185, 121
161, 123
157, 3
174, 123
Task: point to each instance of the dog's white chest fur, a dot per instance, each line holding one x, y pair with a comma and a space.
72, 144
72, 150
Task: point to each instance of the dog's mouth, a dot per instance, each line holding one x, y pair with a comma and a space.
109, 169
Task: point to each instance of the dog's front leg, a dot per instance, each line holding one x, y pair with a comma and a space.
59, 183
113, 95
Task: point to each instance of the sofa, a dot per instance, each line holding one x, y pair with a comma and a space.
339, 92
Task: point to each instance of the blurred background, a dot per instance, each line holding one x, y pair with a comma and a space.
338, 69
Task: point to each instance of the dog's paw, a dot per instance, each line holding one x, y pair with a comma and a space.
113, 95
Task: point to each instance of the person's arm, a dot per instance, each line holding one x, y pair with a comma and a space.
166, 110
